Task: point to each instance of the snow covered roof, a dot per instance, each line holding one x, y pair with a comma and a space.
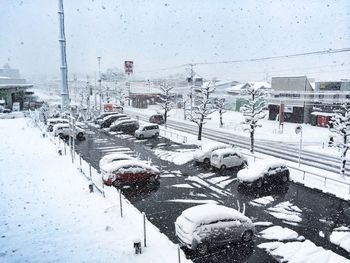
114, 157
110, 116
114, 166
61, 125
207, 213
257, 169
119, 121
320, 113
226, 150
57, 120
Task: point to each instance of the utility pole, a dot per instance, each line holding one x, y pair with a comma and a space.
191, 95
62, 41
99, 81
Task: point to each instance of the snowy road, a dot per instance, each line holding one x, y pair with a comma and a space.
276, 149
311, 214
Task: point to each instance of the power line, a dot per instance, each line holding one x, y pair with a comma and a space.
312, 53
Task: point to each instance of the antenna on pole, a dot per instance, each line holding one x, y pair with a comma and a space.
62, 41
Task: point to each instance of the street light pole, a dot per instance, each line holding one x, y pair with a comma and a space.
99, 80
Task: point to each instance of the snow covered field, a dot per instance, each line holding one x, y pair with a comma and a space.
47, 213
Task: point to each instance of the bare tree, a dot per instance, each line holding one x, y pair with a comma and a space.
166, 102
220, 107
340, 126
203, 106
253, 111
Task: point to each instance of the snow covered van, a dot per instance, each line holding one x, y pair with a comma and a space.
147, 130
227, 158
203, 155
204, 226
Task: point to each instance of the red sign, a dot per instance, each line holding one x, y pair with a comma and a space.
129, 67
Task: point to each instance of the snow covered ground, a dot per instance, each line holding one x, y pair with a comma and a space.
47, 213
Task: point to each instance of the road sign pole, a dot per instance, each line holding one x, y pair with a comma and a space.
300, 146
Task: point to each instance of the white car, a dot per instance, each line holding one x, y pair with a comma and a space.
227, 158
203, 155
147, 130
203, 226
62, 130
51, 122
114, 157
264, 172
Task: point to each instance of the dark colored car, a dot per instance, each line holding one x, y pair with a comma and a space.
128, 172
125, 126
157, 118
264, 172
104, 115
107, 121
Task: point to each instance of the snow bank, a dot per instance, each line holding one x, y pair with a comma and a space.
341, 237
297, 252
280, 233
47, 213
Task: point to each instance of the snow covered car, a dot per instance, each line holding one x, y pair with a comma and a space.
227, 158
264, 172
204, 226
157, 118
62, 130
128, 172
147, 130
203, 155
126, 126
51, 122
114, 157
104, 115
108, 120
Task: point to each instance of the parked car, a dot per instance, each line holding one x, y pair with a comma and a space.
63, 131
126, 126
227, 158
157, 118
16, 106
264, 172
114, 157
108, 120
103, 115
203, 155
204, 226
128, 172
147, 130
51, 122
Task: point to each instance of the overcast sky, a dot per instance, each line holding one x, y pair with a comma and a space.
159, 34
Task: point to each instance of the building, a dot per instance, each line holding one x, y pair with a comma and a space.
295, 94
12, 87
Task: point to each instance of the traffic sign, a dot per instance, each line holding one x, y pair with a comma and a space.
129, 67
298, 129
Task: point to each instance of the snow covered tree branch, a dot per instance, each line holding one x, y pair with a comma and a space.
220, 107
253, 112
339, 126
166, 102
203, 107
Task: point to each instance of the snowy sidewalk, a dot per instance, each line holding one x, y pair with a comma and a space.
48, 215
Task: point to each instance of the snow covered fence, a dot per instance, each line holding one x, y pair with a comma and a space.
172, 135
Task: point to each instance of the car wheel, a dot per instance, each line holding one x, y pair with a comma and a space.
222, 169
203, 248
153, 180
116, 183
141, 136
247, 236
61, 136
206, 163
259, 183
80, 136
156, 135
285, 178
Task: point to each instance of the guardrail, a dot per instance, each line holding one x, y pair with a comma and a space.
172, 135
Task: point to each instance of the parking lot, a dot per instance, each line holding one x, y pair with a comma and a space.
295, 207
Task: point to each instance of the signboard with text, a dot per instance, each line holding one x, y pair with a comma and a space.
129, 67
